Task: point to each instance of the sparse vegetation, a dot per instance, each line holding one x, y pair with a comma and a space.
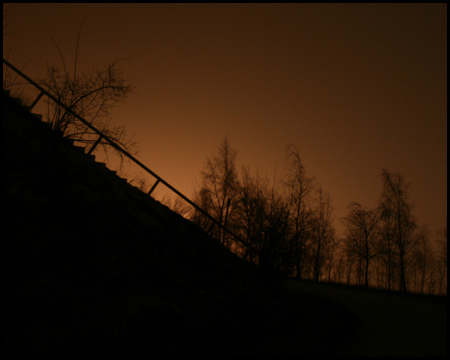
287, 227
90, 94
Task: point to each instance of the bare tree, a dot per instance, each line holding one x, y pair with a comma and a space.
300, 187
397, 210
276, 250
387, 250
330, 257
442, 269
218, 193
443, 243
322, 232
362, 239
202, 198
252, 205
339, 260
423, 261
264, 223
91, 95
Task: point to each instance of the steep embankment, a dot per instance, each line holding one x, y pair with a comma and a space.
92, 266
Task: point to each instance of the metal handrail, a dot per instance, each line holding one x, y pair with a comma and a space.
118, 148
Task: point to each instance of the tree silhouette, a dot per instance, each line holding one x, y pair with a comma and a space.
423, 262
442, 260
264, 223
287, 227
396, 211
362, 236
219, 189
90, 94
322, 232
301, 187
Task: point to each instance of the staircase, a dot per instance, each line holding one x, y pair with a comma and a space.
93, 266
15, 104
19, 101
101, 136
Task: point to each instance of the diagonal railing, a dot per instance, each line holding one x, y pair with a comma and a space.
102, 136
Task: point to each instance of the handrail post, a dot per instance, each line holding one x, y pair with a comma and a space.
95, 145
154, 186
36, 101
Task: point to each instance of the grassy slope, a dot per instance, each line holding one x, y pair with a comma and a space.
94, 267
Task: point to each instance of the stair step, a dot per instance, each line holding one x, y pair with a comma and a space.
37, 116
60, 133
17, 100
48, 125
80, 148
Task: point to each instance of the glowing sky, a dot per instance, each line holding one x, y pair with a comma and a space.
357, 87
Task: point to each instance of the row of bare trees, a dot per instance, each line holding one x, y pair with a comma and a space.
387, 248
287, 226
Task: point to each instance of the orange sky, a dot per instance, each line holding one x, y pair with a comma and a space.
357, 87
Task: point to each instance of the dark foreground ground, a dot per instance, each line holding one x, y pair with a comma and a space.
391, 324
94, 267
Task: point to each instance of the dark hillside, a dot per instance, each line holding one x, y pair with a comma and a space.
92, 266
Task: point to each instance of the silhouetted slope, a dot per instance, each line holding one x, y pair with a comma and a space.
92, 266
